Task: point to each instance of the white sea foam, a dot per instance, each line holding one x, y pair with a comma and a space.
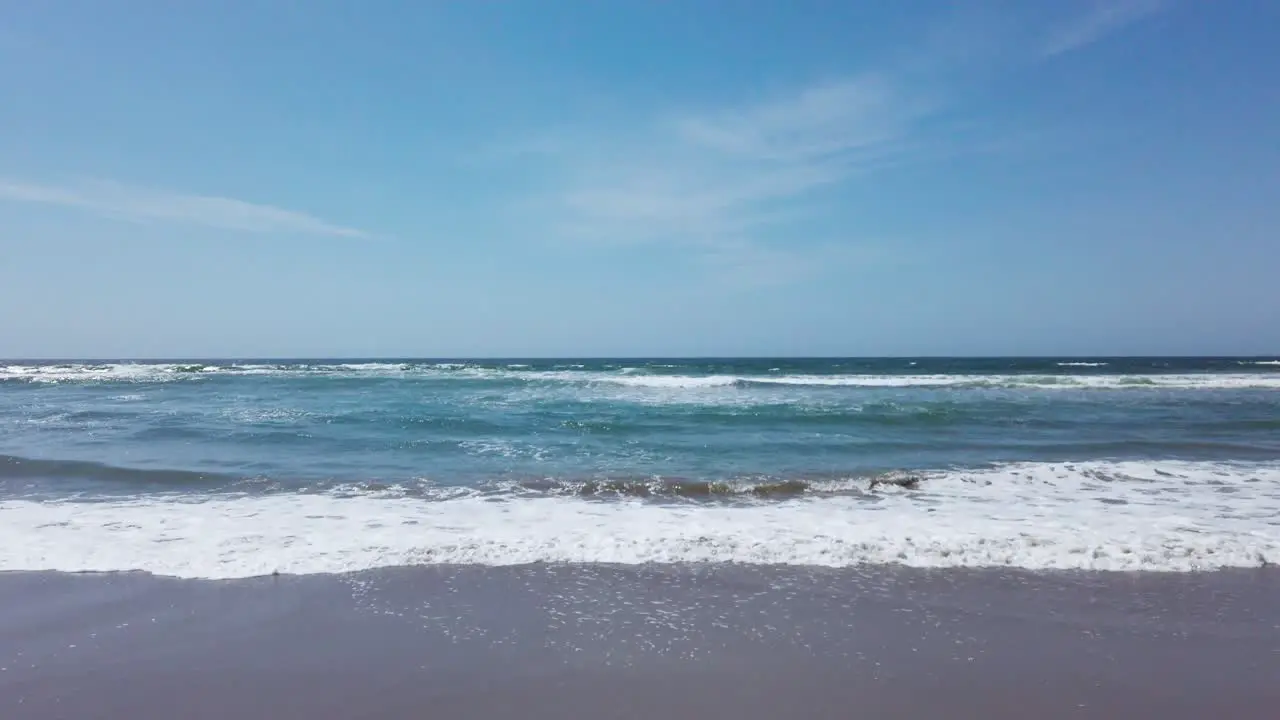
272, 415
170, 372
1221, 381
635, 377
1262, 362
366, 367
1082, 364
670, 381
1167, 516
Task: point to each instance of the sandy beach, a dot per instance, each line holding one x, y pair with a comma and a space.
771, 360
547, 641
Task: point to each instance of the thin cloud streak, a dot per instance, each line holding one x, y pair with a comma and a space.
740, 172
1106, 18
739, 185
819, 121
123, 202
701, 178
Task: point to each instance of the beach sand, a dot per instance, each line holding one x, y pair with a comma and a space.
600, 641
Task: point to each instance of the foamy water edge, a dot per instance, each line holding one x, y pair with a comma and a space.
1168, 516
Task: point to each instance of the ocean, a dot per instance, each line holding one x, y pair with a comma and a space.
221, 469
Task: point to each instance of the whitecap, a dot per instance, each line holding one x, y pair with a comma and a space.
1165, 516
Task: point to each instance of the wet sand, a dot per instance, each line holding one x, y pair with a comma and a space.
675, 642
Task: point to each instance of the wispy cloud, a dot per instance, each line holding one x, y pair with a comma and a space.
1104, 18
136, 204
743, 190
746, 186
724, 174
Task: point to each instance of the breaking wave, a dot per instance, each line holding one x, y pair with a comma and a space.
1155, 516
635, 377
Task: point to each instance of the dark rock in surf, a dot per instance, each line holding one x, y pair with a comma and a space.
907, 482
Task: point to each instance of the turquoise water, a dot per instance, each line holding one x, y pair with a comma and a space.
725, 435
301, 423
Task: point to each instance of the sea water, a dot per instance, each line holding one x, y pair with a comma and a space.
233, 469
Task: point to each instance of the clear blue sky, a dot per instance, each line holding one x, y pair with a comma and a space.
382, 178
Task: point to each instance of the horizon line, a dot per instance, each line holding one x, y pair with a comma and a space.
507, 358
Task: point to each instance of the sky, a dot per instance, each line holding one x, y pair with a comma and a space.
281, 178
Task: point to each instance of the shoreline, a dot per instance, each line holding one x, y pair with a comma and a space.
544, 640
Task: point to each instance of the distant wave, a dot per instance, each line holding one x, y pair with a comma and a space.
1082, 364
1160, 516
667, 381
635, 377
1048, 382
169, 372
1261, 362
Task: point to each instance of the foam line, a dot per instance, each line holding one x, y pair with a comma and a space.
1171, 516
